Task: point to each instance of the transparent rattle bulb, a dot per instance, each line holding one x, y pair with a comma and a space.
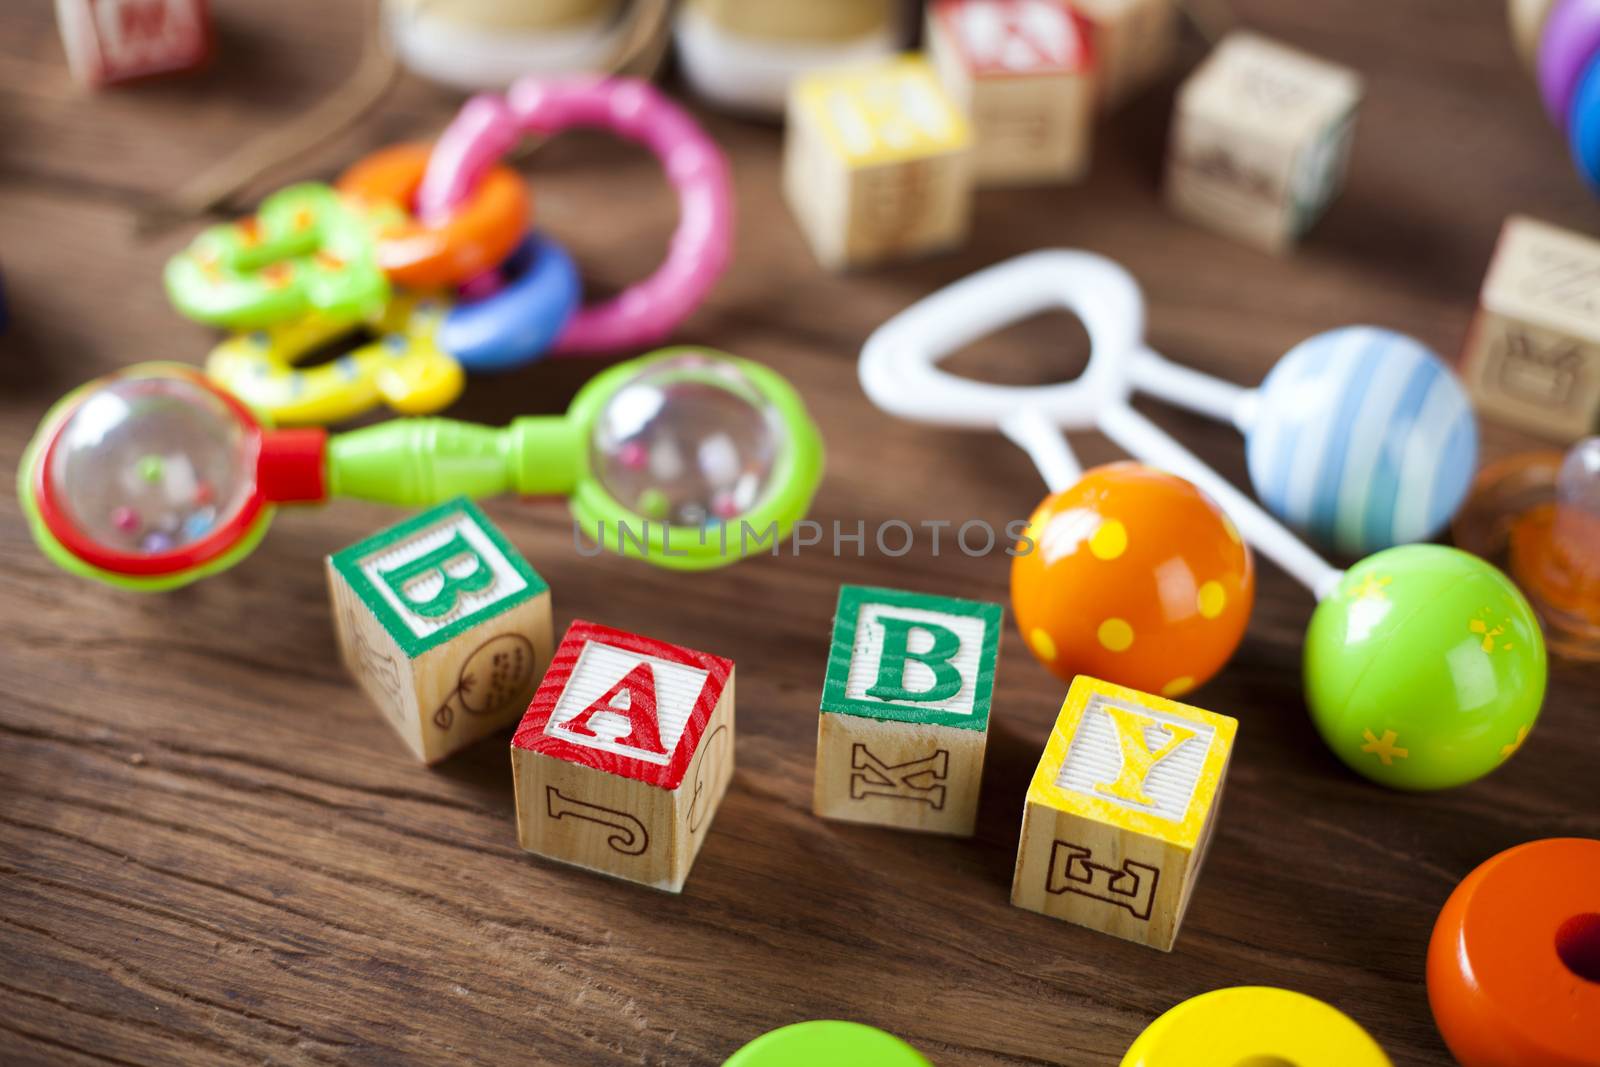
145, 466
1575, 534
690, 441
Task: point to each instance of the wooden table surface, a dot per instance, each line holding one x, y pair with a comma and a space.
214, 851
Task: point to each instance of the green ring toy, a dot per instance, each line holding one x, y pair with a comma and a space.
306, 250
827, 1042
154, 476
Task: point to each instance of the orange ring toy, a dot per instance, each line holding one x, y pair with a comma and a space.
474, 239
1514, 962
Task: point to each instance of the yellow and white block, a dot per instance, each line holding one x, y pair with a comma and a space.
1120, 811
877, 163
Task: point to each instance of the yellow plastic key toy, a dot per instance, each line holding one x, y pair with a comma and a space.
401, 367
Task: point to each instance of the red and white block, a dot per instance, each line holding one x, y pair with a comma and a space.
112, 41
624, 755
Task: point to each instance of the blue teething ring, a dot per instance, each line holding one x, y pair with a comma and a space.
1583, 121
517, 324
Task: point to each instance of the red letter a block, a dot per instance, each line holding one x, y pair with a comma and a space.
624, 755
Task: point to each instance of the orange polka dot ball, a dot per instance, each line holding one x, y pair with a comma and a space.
1133, 576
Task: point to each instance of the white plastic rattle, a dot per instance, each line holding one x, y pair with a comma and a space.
1424, 666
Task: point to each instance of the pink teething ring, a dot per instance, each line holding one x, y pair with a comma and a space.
645, 313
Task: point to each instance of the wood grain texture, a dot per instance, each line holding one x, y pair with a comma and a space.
212, 851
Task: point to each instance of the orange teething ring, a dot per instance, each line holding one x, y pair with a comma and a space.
475, 238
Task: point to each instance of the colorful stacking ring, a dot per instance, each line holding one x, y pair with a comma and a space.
1584, 129
540, 292
436, 249
1567, 44
1255, 1025
648, 311
1514, 962
837, 1044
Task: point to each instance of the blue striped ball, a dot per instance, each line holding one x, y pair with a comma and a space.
1362, 439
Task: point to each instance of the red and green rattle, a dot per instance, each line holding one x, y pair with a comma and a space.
152, 477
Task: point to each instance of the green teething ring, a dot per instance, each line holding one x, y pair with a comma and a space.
307, 249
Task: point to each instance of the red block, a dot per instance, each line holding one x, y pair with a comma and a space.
624, 755
112, 41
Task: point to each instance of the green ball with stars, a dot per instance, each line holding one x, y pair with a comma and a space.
1425, 668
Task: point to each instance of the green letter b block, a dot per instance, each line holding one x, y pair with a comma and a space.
453, 588
891, 683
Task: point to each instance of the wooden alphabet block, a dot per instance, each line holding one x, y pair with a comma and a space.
1120, 811
110, 41
877, 163
1533, 355
444, 624
624, 755
1133, 43
1021, 71
905, 710
1260, 140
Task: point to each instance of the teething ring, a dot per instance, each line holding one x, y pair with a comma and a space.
403, 368
647, 312
442, 248
305, 250
516, 324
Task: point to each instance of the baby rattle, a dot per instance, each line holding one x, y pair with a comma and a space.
1539, 513
1424, 666
1359, 437
316, 264
154, 476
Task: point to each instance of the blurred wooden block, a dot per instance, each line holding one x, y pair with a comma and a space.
1022, 73
444, 624
1527, 18
1532, 358
1260, 141
110, 41
744, 54
877, 163
624, 755
1120, 811
905, 710
1133, 43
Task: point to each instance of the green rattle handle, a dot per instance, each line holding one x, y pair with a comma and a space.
420, 462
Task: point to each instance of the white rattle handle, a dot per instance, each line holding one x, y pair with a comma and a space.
1045, 444
1185, 387
1142, 438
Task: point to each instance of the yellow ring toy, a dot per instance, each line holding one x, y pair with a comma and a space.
1254, 1024
402, 367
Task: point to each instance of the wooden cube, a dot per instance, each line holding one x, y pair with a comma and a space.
1533, 355
905, 710
444, 624
624, 755
1133, 43
1120, 811
110, 41
1021, 71
877, 163
1260, 141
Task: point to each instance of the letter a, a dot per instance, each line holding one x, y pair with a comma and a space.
1137, 759
891, 683
639, 686
444, 601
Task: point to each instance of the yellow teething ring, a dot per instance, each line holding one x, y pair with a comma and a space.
401, 367
1254, 1024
